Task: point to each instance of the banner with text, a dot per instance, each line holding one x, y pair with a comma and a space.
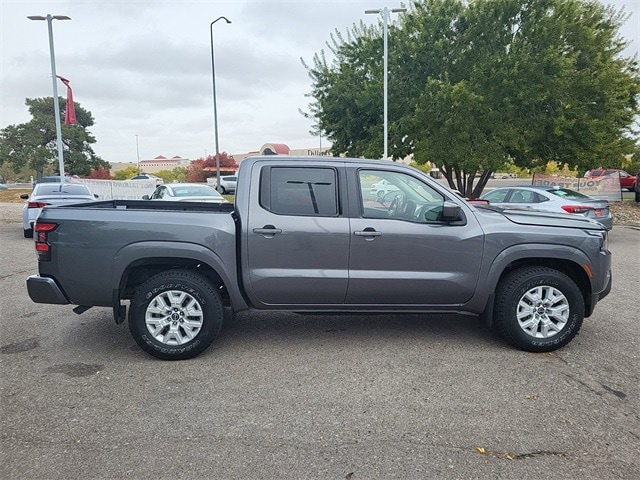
120, 189
607, 187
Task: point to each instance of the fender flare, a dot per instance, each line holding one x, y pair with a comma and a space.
135, 252
523, 252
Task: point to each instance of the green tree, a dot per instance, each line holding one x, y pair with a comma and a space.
476, 84
126, 173
34, 143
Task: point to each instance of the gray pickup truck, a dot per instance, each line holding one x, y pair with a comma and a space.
321, 235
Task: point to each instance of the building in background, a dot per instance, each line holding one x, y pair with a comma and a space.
163, 163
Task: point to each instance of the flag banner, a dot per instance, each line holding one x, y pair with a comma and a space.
70, 112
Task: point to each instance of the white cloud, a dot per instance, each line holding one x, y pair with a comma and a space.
144, 68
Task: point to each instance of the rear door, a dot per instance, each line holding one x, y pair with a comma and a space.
297, 237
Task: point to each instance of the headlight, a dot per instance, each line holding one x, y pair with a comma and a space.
603, 236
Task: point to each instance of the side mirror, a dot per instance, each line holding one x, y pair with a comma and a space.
95, 195
451, 212
145, 197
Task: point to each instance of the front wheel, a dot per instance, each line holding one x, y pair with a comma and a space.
175, 315
538, 309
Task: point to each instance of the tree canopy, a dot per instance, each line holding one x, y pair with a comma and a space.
202, 168
34, 143
476, 84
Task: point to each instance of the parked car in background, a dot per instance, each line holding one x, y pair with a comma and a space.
382, 188
627, 180
147, 176
186, 192
551, 199
50, 193
3, 186
228, 184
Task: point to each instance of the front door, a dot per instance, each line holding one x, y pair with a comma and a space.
402, 253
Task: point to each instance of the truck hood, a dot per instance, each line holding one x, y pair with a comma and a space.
547, 219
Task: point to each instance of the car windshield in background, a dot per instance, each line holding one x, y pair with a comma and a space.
568, 194
195, 192
57, 188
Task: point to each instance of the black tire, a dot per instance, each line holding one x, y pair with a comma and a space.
28, 233
223, 190
175, 315
538, 309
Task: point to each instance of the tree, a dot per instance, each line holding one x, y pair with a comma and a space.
477, 84
35, 143
100, 174
202, 168
126, 173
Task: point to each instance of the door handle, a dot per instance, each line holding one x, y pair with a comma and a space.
267, 230
367, 233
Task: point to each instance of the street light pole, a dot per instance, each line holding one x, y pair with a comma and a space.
56, 104
138, 154
385, 21
215, 106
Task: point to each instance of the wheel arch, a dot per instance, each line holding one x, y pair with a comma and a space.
136, 263
564, 259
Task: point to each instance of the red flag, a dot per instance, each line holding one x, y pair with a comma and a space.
70, 113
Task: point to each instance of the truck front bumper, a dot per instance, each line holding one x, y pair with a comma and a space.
45, 290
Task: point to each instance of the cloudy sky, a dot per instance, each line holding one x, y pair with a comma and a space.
143, 68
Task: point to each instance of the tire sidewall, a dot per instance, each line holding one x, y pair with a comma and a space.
516, 286
192, 284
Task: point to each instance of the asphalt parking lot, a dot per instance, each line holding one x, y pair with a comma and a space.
286, 396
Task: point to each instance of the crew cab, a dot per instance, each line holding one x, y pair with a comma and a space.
307, 235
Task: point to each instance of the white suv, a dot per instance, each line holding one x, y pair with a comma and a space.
228, 184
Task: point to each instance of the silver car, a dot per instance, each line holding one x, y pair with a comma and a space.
186, 192
51, 193
228, 184
551, 199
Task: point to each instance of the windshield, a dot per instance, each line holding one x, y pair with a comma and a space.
58, 188
195, 191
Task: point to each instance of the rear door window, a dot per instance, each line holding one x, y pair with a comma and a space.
299, 191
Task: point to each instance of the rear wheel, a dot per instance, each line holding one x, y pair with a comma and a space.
538, 309
175, 315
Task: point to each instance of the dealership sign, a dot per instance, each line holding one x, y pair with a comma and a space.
120, 189
607, 187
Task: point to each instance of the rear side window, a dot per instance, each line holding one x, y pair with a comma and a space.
299, 191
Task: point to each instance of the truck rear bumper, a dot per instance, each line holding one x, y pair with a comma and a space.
45, 290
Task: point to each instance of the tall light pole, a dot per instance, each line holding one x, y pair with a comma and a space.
215, 105
56, 104
385, 21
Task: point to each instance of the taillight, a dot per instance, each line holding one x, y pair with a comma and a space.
43, 249
36, 205
577, 208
